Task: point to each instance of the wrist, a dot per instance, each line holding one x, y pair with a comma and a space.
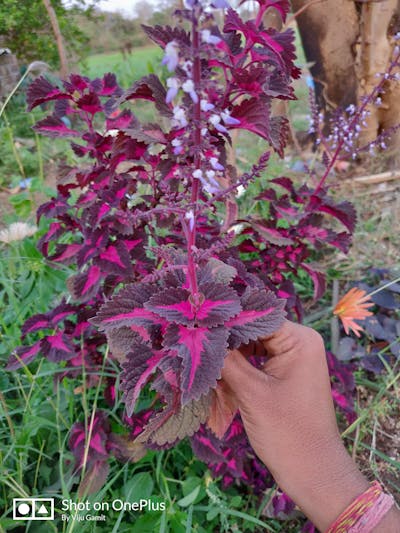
324, 482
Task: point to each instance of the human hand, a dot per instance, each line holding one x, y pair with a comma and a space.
288, 414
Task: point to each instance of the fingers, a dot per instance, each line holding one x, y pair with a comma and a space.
291, 338
240, 375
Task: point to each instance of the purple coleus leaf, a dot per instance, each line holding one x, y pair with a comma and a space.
58, 347
217, 304
253, 115
141, 362
127, 308
53, 126
343, 211
41, 91
203, 351
263, 313
282, 6
23, 356
84, 286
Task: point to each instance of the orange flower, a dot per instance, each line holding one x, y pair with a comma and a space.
354, 305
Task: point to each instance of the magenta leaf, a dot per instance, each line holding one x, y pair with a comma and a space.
149, 88
41, 90
24, 353
53, 126
318, 279
254, 116
141, 362
126, 308
203, 351
90, 103
162, 35
343, 211
84, 286
121, 339
58, 347
115, 259
263, 313
218, 303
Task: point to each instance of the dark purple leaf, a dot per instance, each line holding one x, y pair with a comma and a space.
318, 279
41, 90
25, 353
254, 115
53, 126
149, 88
343, 211
141, 362
84, 286
126, 308
58, 347
90, 103
262, 315
203, 351
218, 304
162, 35
115, 259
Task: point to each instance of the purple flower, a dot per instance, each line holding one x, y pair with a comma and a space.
209, 38
180, 117
206, 106
215, 120
171, 57
190, 216
220, 4
178, 148
173, 88
188, 87
216, 165
230, 121
210, 184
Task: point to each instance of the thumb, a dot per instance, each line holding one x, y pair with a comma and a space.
240, 375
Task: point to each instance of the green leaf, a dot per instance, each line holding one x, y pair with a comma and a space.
139, 487
22, 204
190, 498
147, 523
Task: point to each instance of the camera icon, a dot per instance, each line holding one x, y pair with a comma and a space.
33, 508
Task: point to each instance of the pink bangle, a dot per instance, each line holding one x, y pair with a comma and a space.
365, 512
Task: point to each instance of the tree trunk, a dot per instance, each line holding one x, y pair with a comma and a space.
349, 43
59, 39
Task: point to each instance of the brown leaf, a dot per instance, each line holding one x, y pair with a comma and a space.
94, 478
222, 410
171, 425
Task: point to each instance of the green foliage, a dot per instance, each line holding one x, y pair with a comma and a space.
127, 69
25, 28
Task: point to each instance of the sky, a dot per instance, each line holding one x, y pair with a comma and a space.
126, 6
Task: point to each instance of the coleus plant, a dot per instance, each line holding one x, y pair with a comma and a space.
168, 272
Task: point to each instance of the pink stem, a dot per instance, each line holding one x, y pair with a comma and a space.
196, 143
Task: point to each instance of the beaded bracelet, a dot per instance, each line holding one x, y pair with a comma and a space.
365, 512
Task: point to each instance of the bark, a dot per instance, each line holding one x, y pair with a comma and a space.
350, 43
329, 30
373, 57
59, 38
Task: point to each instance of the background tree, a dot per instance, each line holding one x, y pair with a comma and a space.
349, 44
26, 29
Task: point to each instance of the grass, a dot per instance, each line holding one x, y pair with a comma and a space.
128, 69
